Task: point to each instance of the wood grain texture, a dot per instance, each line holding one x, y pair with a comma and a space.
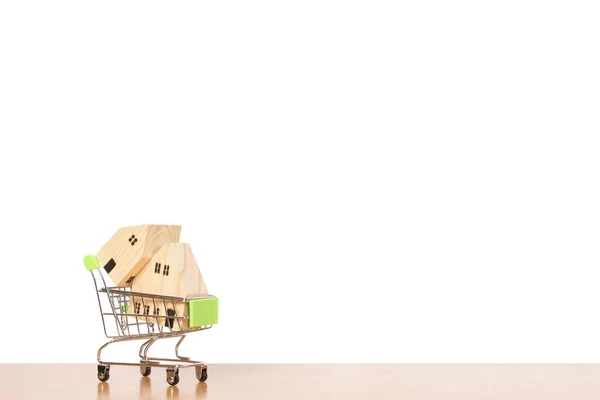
172, 271
307, 382
131, 248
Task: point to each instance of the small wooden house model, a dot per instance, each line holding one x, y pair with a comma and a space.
150, 260
130, 249
172, 271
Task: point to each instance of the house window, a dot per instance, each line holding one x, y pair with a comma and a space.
157, 268
166, 270
156, 311
146, 310
170, 321
137, 307
132, 240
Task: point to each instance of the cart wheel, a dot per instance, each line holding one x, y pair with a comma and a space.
103, 373
202, 373
172, 376
145, 371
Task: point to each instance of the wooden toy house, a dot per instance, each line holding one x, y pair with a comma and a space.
150, 259
131, 247
172, 271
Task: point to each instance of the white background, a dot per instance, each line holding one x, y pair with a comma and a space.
361, 181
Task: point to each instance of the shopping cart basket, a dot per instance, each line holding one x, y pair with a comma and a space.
124, 322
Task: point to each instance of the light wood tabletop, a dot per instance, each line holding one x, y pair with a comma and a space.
306, 381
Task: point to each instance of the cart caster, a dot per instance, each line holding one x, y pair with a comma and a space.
103, 373
145, 370
172, 376
202, 373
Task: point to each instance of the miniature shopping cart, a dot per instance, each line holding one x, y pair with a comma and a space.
126, 316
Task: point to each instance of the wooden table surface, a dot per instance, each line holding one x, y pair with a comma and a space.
306, 381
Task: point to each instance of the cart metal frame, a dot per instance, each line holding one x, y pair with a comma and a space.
131, 325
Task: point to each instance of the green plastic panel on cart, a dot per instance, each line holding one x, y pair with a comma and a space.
204, 311
91, 262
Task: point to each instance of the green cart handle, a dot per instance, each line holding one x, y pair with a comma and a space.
91, 262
